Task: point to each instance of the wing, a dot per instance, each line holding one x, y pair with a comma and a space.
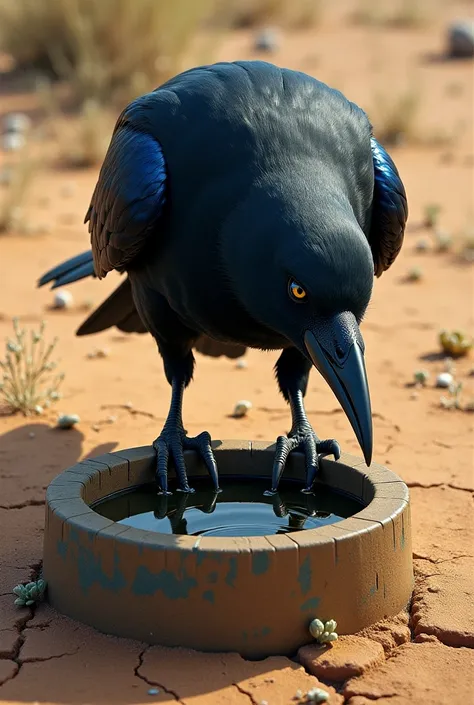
129, 198
389, 210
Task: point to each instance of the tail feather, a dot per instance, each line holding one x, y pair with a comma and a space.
117, 310
78, 267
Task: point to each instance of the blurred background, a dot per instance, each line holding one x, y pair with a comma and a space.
68, 67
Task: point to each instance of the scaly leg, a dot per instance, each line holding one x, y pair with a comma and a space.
292, 371
173, 439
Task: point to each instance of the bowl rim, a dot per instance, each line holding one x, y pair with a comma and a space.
386, 493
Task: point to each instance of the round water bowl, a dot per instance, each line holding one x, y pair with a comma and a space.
253, 594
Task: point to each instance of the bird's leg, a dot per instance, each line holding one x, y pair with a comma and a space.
292, 371
173, 441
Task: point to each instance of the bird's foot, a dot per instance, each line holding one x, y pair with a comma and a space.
173, 441
302, 438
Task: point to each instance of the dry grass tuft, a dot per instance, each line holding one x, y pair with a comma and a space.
405, 14
92, 130
395, 117
15, 191
29, 384
105, 49
293, 14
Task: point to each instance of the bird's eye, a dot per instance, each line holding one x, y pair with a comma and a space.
297, 292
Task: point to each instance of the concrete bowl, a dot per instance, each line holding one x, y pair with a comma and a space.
253, 595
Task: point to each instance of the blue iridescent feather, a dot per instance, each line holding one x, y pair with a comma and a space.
389, 210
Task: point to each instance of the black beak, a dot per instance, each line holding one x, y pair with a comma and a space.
336, 350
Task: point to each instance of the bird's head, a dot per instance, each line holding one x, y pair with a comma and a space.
314, 291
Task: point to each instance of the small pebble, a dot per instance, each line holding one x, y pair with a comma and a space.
13, 141
67, 420
98, 353
111, 419
16, 122
128, 405
241, 364
414, 396
444, 380
154, 691
422, 245
62, 299
242, 408
461, 39
267, 40
31, 434
299, 694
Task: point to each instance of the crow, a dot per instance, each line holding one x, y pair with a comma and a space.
249, 206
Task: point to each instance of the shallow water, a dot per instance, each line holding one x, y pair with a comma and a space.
241, 509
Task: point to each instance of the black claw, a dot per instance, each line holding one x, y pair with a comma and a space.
302, 439
311, 472
173, 441
330, 447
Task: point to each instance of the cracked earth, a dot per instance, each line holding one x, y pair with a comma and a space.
424, 656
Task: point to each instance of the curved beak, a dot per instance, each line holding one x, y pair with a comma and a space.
337, 353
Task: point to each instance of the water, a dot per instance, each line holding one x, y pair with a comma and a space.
241, 509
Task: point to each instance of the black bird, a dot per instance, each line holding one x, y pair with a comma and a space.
250, 206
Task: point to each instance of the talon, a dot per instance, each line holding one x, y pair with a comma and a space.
173, 441
302, 439
330, 447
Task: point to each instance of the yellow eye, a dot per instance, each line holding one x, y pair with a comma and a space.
297, 292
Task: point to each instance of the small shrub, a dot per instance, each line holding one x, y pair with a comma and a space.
28, 385
431, 215
21, 174
395, 122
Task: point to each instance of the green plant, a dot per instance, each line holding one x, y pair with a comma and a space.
431, 215
453, 401
29, 594
421, 377
28, 385
455, 343
323, 632
107, 49
415, 274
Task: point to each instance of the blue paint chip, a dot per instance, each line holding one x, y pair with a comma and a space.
260, 563
304, 576
173, 587
311, 604
209, 596
232, 573
91, 572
